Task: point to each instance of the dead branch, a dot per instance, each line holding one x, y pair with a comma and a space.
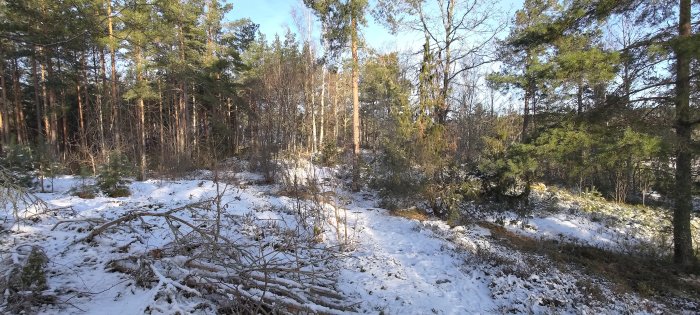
253, 270
134, 215
71, 221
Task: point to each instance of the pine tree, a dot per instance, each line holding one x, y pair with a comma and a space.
523, 66
345, 20
581, 64
683, 48
658, 42
138, 20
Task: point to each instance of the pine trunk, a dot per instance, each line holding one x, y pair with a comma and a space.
114, 121
98, 105
52, 109
141, 127
323, 105
45, 106
579, 99
195, 128
355, 91
335, 110
161, 126
20, 124
4, 127
526, 113
355, 104
682, 239
81, 114
38, 104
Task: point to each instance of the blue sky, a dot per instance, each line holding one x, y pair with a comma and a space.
275, 16
272, 15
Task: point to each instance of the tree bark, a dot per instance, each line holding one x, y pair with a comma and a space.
37, 97
355, 103
52, 108
4, 127
141, 119
682, 239
526, 112
114, 121
335, 109
81, 114
323, 105
65, 139
98, 104
161, 126
314, 134
443, 108
45, 108
579, 99
20, 124
195, 128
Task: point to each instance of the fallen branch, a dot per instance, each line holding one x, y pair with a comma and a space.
46, 210
70, 221
134, 215
281, 301
293, 292
252, 270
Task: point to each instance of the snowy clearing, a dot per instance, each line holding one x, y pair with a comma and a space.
372, 260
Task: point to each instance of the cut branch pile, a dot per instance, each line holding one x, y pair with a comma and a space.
263, 269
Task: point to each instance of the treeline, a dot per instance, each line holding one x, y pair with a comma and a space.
605, 92
169, 84
155, 80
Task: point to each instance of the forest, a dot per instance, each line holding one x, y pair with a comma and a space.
535, 156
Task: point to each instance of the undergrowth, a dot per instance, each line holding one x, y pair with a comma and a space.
649, 278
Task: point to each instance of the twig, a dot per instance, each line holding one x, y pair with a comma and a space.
135, 215
68, 221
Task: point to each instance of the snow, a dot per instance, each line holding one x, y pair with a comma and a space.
392, 265
560, 226
401, 268
596, 222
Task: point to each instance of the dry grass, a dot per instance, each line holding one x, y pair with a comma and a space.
412, 213
654, 279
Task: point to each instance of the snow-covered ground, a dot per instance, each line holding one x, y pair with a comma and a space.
594, 221
400, 267
388, 264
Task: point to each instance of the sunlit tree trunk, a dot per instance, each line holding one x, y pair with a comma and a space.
443, 106
323, 105
99, 104
141, 116
161, 124
45, 106
336, 123
355, 103
114, 121
81, 106
52, 110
